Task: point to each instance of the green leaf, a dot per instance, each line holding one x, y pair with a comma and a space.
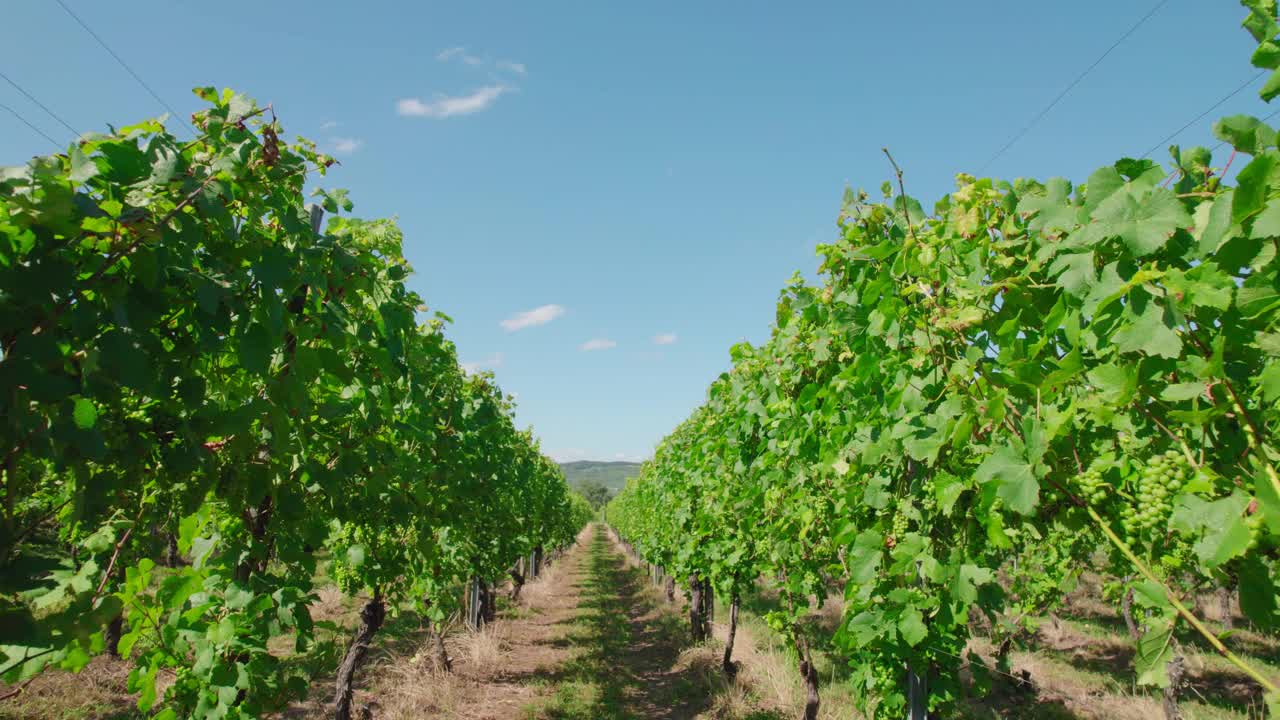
964, 591
255, 349
1182, 391
1053, 209
1148, 329
143, 681
1151, 595
1220, 525
876, 494
1272, 87
223, 632
948, 490
83, 168
1016, 484
1074, 272
1116, 384
1108, 288
1245, 133
1267, 55
238, 106
165, 165
1267, 224
1252, 185
1155, 650
1268, 500
1258, 593
865, 556
1255, 300
1144, 224
1213, 223
1268, 343
1269, 382
1202, 286
1261, 21
1103, 183
201, 547
862, 629
911, 625
909, 207
85, 413
333, 200
125, 162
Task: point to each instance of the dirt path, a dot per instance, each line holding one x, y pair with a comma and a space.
588, 642
501, 673
626, 649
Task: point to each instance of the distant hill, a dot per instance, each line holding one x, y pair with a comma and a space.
612, 475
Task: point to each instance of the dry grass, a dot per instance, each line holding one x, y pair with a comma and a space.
1081, 693
536, 592
408, 687
98, 690
770, 678
731, 698
331, 605
1081, 671
406, 684
482, 650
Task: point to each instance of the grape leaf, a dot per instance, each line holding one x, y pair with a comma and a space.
85, 413
1015, 482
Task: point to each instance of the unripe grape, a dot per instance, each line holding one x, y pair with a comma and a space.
900, 524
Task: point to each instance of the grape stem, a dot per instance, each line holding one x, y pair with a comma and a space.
1179, 607
902, 192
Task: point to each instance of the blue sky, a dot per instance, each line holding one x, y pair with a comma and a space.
640, 177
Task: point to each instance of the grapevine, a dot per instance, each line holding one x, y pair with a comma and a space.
1027, 372
197, 371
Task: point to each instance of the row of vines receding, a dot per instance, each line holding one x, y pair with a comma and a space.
978, 404
207, 398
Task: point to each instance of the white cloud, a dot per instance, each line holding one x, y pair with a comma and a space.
450, 53
598, 344
529, 318
492, 362
346, 145
461, 55
665, 339
328, 125
444, 106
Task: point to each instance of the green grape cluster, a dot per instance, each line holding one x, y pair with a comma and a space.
900, 522
928, 497
1092, 487
1162, 478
